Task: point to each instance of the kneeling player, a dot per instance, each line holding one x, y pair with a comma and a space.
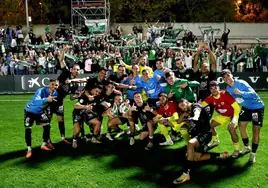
200, 131
86, 110
141, 110
167, 116
35, 111
118, 115
228, 112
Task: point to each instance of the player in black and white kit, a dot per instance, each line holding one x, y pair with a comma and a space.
200, 135
67, 84
205, 74
145, 113
87, 110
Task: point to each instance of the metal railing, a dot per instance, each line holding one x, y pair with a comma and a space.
88, 3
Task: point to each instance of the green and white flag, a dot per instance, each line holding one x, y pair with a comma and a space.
96, 25
72, 57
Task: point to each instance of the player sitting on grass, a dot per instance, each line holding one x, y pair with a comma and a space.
227, 113
34, 111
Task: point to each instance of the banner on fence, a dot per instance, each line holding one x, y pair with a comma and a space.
30, 83
96, 25
257, 80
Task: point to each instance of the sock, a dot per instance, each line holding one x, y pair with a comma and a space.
215, 137
151, 139
44, 144
185, 135
164, 131
137, 127
173, 132
214, 155
62, 129
28, 137
245, 141
136, 121
94, 135
29, 148
254, 147
119, 129
75, 137
101, 129
189, 166
46, 133
236, 146
82, 131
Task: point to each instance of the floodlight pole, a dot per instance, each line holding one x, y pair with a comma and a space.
27, 15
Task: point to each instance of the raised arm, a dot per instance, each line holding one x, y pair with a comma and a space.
62, 62
213, 60
196, 58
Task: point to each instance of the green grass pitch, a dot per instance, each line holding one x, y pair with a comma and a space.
115, 164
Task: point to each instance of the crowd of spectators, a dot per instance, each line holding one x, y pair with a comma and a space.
33, 54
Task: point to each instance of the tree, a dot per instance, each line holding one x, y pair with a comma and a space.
252, 11
141, 10
51, 11
191, 6
12, 12
215, 11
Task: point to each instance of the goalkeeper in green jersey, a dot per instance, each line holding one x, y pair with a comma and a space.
180, 88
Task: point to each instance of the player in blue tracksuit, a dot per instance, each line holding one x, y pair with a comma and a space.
252, 111
135, 81
151, 88
35, 110
159, 74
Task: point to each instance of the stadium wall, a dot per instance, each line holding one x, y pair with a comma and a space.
242, 30
238, 30
30, 83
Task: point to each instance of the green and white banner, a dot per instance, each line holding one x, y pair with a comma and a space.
96, 25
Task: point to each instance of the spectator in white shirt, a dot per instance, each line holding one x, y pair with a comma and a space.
13, 45
188, 59
12, 65
158, 40
42, 60
4, 69
88, 64
50, 63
